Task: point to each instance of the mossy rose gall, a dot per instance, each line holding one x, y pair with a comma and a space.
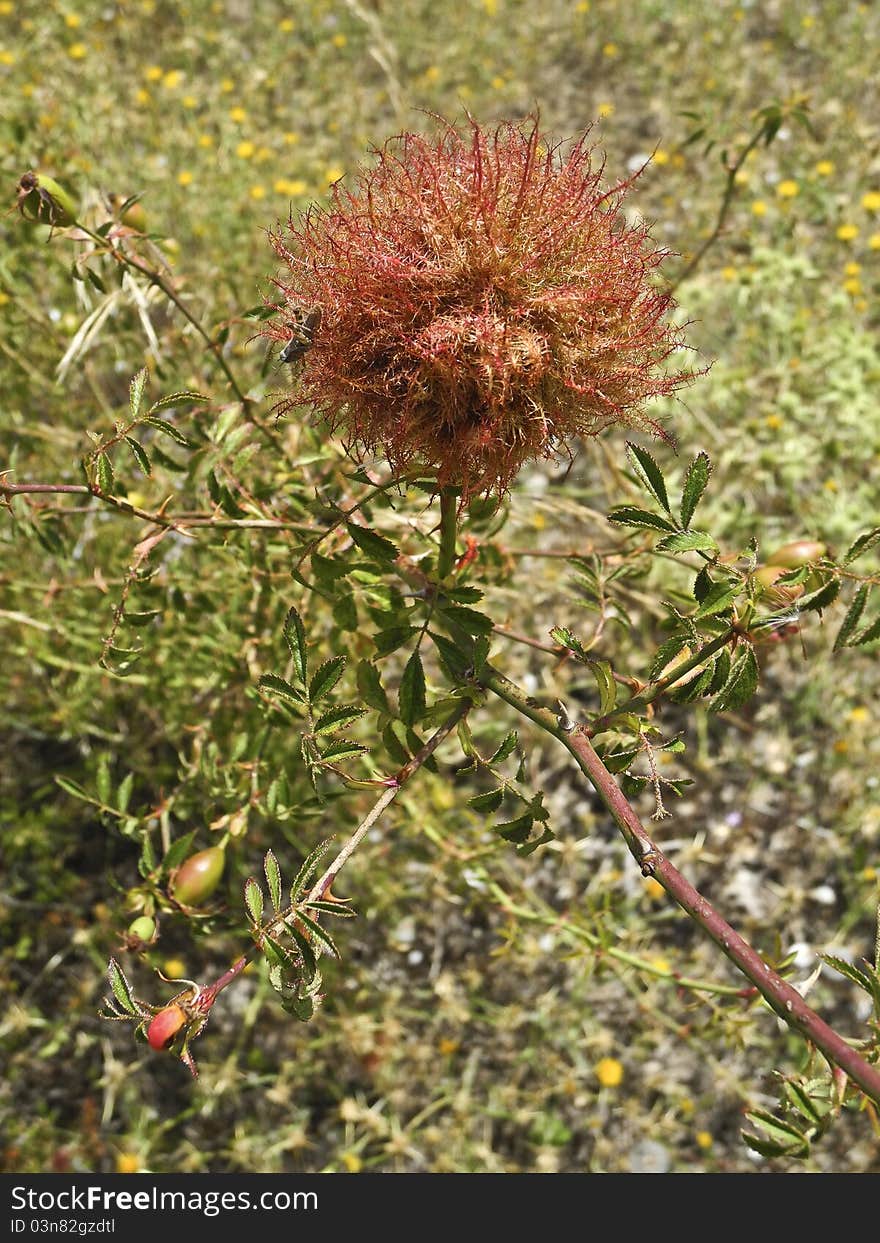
483, 301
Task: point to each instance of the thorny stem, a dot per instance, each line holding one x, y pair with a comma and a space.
784, 1000
652, 690
448, 530
155, 278
395, 784
178, 522
724, 209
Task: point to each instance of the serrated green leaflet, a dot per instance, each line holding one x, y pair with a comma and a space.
821, 597
319, 933
372, 543
325, 677
295, 637
694, 486
337, 718
121, 987
342, 750
649, 473
490, 801
741, 683
719, 598
369, 684
632, 516
184, 397
411, 695
852, 618
136, 391
507, 748
168, 429
105, 473
280, 686
273, 879
687, 541
139, 454
177, 852
307, 871
253, 900
865, 541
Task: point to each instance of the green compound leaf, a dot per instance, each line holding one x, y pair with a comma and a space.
694, 486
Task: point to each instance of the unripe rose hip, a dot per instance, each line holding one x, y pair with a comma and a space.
792, 556
197, 878
782, 593
164, 1027
143, 928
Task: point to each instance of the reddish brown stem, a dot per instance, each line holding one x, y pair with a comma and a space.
783, 999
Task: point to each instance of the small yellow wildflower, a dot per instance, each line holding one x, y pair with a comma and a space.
869, 873
172, 79
841, 746
6, 7
788, 189
184, 178
174, 968
340, 40
154, 73
286, 25
447, 1047
72, 20
352, 1162
847, 232
333, 173
238, 115
142, 96
759, 208
830, 485
609, 1072
825, 168
190, 101
245, 150
729, 274
491, 7
431, 74
583, 6
6, 58
262, 154
291, 138
610, 50
660, 964
661, 157
205, 140
498, 83
704, 1140
606, 110
871, 201
859, 715
874, 241
853, 269
741, 177
654, 889
77, 51
227, 85
257, 192
4, 297
774, 422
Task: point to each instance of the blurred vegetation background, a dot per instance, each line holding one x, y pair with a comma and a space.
456, 1034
